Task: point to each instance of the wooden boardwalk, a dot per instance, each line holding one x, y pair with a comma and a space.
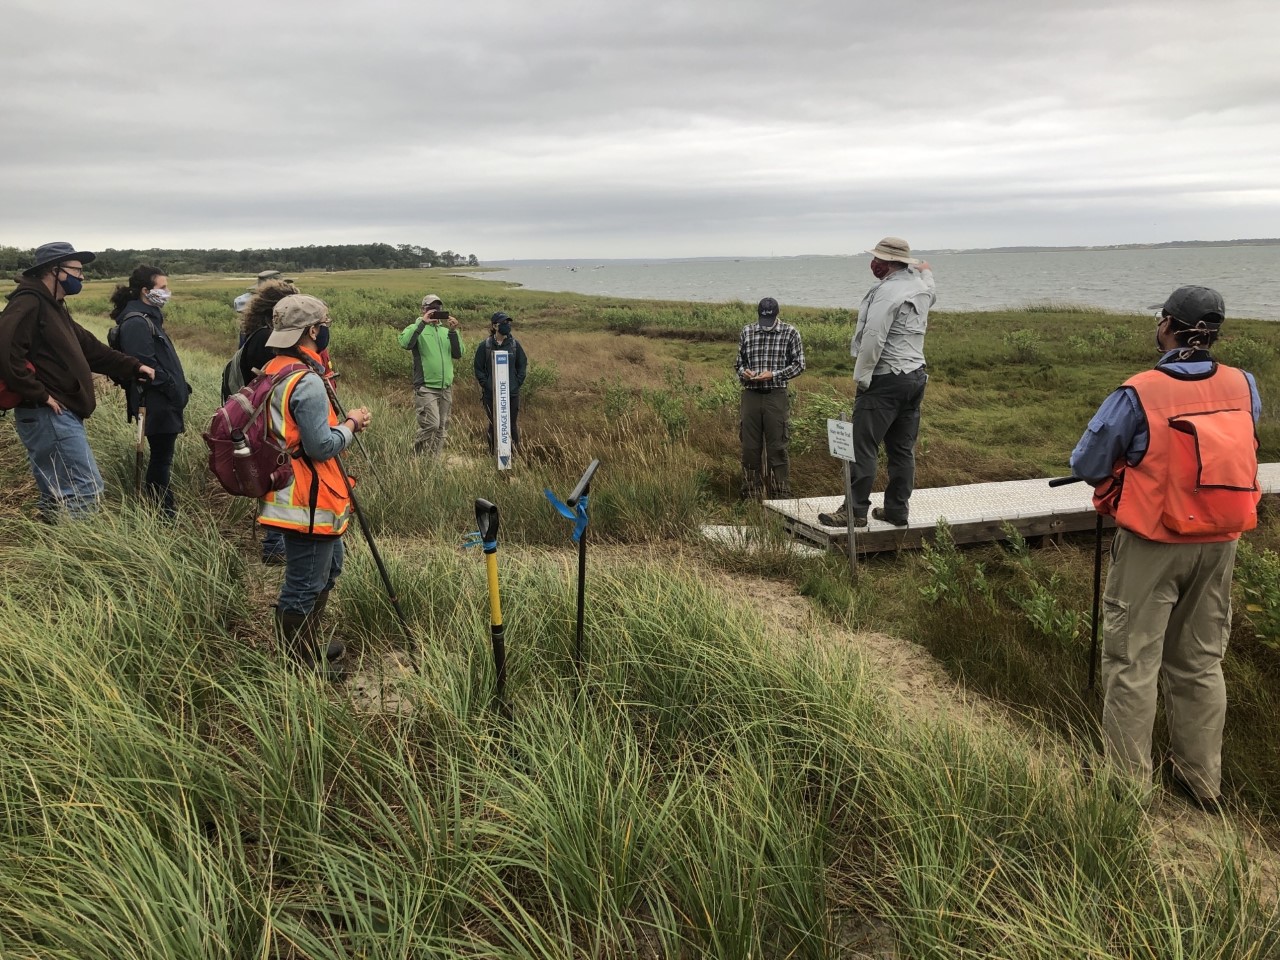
977, 512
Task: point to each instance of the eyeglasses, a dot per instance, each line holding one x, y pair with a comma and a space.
73, 271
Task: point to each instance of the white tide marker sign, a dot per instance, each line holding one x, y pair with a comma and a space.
502, 408
840, 443
840, 439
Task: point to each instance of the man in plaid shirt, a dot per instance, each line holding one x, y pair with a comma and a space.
770, 355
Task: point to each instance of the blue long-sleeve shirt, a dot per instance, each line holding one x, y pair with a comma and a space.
309, 405
1119, 428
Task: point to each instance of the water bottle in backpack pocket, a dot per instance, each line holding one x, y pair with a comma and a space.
244, 454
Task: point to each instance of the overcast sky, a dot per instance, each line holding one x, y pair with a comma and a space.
567, 128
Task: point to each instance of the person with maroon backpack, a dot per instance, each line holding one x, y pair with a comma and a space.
1172, 456
313, 509
48, 361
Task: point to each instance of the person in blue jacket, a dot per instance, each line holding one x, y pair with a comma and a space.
138, 310
501, 340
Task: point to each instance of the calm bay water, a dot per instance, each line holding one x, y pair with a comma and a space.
1123, 280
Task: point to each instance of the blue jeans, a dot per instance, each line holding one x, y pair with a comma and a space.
312, 565
63, 466
272, 542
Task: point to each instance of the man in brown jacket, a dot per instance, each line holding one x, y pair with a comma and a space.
48, 360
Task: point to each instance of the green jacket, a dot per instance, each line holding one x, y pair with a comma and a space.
434, 347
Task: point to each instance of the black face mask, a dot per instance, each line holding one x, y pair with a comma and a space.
504, 329
322, 339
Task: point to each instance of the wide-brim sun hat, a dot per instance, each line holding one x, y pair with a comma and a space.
291, 317
893, 248
57, 252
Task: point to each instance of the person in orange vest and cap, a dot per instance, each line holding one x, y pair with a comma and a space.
1172, 456
314, 509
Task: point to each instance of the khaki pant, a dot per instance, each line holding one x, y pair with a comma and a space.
765, 432
432, 407
1166, 618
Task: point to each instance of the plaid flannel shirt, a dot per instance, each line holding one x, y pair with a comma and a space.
778, 349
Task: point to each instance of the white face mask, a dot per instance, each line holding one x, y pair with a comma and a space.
157, 296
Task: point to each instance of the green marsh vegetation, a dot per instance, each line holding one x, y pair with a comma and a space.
723, 788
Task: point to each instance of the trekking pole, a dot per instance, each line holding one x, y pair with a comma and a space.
575, 509
377, 557
137, 451
486, 535
337, 405
1097, 584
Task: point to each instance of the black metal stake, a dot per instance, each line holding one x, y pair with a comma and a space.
1097, 585
583, 489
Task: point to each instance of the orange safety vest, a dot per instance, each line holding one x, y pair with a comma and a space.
316, 500
1198, 481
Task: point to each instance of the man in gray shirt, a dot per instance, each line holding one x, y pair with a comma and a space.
889, 376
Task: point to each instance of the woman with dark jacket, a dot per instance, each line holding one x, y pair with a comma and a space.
138, 310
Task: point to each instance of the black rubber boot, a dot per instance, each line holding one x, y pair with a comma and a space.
295, 638
335, 649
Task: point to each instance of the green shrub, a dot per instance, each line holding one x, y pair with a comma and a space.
1025, 346
1245, 352
1257, 576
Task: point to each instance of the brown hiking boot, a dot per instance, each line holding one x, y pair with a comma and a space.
840, 518
879, 514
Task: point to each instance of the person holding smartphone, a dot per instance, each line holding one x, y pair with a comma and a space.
435, 343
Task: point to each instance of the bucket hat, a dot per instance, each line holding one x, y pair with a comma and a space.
57, 252
291, 317
893, 248
268, 275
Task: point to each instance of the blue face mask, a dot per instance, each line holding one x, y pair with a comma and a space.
70, 285
322, 339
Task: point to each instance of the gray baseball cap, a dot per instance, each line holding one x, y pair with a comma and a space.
1191, 305
291, 317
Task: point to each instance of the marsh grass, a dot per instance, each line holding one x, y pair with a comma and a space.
702, 791
708, 787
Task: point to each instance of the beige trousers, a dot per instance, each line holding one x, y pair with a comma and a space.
1166, 618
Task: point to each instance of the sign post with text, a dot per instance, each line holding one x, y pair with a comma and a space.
502, 408
840, 443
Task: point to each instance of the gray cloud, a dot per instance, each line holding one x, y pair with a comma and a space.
571, 129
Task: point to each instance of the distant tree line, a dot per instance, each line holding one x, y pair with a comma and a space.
343, 256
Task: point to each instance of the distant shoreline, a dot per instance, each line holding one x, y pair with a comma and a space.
1165, 245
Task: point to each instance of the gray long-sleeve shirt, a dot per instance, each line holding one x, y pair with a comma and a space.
892, 319
309, 404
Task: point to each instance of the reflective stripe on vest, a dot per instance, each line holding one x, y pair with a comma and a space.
1164, 487
290, 507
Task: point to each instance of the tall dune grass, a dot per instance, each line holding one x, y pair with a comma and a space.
701, 791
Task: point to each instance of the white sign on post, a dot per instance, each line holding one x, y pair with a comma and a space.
502, 408
840, 439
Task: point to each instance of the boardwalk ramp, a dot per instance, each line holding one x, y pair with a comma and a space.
976, 512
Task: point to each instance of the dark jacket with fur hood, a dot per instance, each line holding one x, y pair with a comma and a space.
37, 328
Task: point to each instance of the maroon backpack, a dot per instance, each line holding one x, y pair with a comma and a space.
244, 454
9, 398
